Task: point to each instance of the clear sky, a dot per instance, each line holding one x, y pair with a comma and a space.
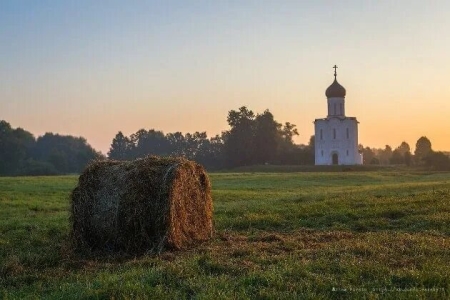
92, 68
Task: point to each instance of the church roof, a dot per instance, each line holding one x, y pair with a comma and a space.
335, 90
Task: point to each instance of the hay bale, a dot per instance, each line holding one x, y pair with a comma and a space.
148, 204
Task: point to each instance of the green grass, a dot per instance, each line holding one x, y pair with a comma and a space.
312, 235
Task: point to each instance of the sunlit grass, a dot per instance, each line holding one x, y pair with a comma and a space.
278, 235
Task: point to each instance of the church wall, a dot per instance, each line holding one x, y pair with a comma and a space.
335, 140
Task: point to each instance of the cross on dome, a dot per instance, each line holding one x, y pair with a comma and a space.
335, 89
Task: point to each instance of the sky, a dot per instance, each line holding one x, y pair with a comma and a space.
93, 68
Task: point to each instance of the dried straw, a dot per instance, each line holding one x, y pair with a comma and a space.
149, 204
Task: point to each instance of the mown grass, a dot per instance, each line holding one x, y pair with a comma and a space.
379, 234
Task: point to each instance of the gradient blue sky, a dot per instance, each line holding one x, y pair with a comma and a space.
92, 68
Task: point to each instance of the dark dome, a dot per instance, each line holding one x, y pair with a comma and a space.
335, 90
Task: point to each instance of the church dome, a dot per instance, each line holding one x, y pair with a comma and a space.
335, 90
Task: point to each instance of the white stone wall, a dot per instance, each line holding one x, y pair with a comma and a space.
331, 137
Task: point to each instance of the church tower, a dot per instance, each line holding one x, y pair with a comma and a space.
336, 136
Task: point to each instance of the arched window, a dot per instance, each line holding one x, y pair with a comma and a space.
322, 152
321, 135
334, 133
347, 152
348, 134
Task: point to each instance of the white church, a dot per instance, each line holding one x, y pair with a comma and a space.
336, 136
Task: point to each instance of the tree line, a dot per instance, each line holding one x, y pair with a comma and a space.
51, 154
250, 140
423, 155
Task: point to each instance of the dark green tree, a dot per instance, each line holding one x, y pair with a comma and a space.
368, 156
121, 147
195, 144
437, 161
210, 153
239, 145
177, 143
15, 147
287, 152
397, 158
403, 148
266, 138
22, 154
59, 160
288, 131
408, 158
150, 142
401, 154
423, 148
385, 155
70, 154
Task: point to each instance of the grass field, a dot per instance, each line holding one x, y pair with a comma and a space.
378, 234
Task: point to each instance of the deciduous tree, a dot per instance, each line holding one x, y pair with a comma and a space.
423, 148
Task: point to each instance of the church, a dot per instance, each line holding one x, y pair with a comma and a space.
336, 136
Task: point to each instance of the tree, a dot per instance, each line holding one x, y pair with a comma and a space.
59, 160
288, 131
177, 143
374, 161
401, 154
8, 158
265, 138
239, 142
407, 158
239, 118
22, 154
287, 151
423, 148
33, 167
150, 142
210, 153
312, 148
368, 156
437, 161
396, 158
15, 147
120, 147
403, 148
195, 143
70, 154
385, 155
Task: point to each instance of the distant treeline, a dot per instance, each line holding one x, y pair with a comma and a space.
50, 154
423, 155
252, 139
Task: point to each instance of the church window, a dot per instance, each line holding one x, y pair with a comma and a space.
334, 133
321, 135
348, 133
322, 152
347, 152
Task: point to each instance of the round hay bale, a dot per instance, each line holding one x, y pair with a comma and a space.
148, 204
